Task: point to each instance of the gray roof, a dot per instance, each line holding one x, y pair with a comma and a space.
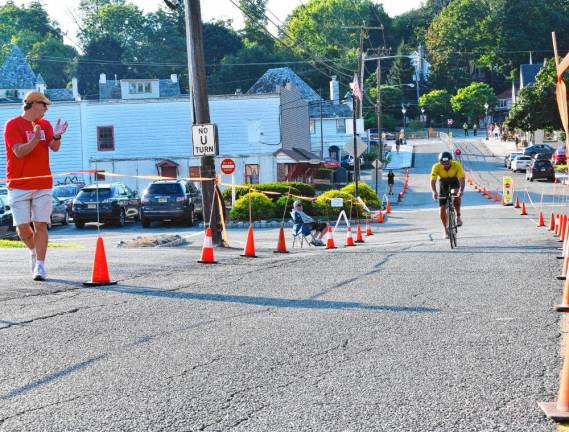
281, 76
168, 88
528, 73
16, 73
59, 95
330, 110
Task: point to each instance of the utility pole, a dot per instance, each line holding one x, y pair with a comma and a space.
321, 130
198, 90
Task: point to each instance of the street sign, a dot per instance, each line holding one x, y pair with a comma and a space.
337, 202
360, 146
450, 121
508, 191
227, 166
377, 164
204, 139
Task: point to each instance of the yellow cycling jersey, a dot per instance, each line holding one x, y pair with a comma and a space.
455, 170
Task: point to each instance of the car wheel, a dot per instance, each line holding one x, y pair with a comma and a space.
79, 224
145, 222
122, 219
190, 218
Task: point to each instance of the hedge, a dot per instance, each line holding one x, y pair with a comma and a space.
296, 188
324, 208
366, 193
262, 207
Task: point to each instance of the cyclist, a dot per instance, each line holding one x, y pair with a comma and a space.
451, 177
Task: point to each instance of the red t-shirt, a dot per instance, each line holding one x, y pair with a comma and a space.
20, 131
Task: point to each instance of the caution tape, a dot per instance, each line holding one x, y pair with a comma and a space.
48, 175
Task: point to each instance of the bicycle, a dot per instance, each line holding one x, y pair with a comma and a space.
452, 227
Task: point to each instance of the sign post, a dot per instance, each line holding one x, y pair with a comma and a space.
508, 191
228, 167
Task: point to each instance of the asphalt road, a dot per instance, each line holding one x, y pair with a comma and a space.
398, 334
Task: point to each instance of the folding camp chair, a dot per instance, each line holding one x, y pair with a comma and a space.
300, 231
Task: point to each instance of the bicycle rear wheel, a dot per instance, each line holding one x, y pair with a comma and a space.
451, 226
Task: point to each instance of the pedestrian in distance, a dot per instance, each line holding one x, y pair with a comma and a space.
465, 127
28, 139
390, 181
475, 129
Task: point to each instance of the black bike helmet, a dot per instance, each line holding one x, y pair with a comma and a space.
445, 156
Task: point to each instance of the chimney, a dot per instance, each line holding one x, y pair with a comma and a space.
238, 92
335, 90
102, 79
174, 78
75, 89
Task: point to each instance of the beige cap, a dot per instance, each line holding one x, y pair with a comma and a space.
36, 96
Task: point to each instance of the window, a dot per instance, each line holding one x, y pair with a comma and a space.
105, 138
340, 126
252, 174
312, 127
139, 87
195, 172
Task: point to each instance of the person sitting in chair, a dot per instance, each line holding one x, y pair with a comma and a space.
309, 224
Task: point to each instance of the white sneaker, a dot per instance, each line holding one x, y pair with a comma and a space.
39, 273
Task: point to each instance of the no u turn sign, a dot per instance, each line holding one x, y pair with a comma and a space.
204, 139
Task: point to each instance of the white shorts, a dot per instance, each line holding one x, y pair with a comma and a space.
30, 205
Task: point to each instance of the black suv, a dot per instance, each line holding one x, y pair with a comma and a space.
540, 169
116, 202
174, 200
65, 192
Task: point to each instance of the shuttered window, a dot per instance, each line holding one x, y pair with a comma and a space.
105, 138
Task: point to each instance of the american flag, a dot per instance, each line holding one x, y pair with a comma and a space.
356, 89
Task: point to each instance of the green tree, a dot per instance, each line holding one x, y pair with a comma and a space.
436, 104
469, 101
54, 60
536, 106
254, 14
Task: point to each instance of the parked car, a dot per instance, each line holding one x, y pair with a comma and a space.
3, 190
559, 156
520, 163
539, 148
116, 203
171, 200
348, 161
509, 157
66, 193
7, 230
58, 212
540, 169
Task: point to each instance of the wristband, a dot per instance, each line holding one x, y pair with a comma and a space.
56, 138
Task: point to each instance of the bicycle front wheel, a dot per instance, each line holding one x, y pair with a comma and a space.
451, 226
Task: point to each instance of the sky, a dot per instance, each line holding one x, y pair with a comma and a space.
62, 10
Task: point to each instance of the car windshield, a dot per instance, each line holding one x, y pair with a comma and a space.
64, 191
165, 189
91, 194
542, 163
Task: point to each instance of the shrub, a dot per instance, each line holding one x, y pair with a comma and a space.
323, 207
280, 206
304, 189
366, 193
324, 173
261, 207
296, 188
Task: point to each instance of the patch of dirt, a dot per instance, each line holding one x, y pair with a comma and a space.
170, 240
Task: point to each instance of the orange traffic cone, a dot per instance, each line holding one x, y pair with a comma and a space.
349, 238
250, 245
281, 244
523, 212
517, 204
388, 207
557, 225
359, 236
207, 249
380, 218
490, 196
541, 221
100, 274
497, 197
330, 239
552, 222
564, 306
562, 233
559, 411
369, 231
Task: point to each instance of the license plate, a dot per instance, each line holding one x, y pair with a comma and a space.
91, 206
162, 199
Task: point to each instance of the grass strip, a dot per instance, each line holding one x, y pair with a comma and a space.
14, 244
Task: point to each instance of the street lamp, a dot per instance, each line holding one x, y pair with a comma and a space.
424, 119
486, 106
403, 110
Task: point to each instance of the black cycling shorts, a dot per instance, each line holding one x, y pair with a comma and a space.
445, 185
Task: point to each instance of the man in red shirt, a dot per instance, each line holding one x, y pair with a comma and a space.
28, 138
